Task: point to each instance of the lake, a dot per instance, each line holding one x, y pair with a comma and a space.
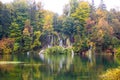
54, 67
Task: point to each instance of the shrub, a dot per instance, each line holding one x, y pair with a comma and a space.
111, 74
81, 45
6, 45
118, 53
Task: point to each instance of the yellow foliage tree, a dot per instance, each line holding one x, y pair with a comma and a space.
48, 21
82, 12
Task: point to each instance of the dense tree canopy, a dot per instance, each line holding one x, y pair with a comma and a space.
28, 26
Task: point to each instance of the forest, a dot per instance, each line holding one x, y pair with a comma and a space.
27, 26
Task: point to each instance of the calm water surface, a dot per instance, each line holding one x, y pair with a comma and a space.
58, 67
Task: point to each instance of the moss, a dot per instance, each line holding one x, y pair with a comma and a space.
57, 50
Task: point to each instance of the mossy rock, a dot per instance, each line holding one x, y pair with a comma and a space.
57, 50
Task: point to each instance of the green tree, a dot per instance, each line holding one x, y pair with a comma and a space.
81, 15
36, 42
82, 12
5, 20
48, 22
27, 36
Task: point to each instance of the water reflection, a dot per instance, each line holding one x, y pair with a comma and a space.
60, 67
57, 63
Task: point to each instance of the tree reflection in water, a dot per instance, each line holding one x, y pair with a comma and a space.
59, 67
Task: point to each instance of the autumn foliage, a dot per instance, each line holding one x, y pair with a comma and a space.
6, 45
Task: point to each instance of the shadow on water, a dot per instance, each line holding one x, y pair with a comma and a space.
59, 67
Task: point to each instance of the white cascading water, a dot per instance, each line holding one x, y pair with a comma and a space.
68, 42
61, 43
50, 41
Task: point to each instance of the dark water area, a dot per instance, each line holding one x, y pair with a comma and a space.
54, 67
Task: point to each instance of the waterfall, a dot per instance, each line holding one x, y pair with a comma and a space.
51, 40
41, 57
68, 42
42, 51
61, 43
41, 54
